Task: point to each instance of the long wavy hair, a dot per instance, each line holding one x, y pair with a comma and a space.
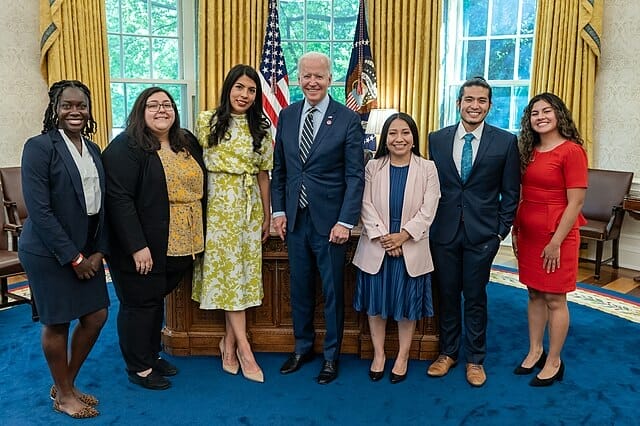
529, 138
382, 146
221, 119
50, 120
141, 136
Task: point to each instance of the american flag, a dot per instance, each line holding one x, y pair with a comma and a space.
273, 70
361, 87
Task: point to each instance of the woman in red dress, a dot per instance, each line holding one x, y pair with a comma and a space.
546, 236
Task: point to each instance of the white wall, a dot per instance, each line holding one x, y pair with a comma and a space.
23, 91
23, 94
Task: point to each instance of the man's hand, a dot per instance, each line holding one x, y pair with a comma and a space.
339, 234
280, 226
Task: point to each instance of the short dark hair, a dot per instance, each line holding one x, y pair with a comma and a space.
50, 120
474, 81
221, 119
139, 132
382, 146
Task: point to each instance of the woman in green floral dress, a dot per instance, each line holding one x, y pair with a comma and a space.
238, 155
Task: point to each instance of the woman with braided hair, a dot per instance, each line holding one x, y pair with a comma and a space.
64, 239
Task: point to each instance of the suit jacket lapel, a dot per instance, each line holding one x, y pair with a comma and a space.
450, 138
61, 147
325, 124
483, 146
410, 190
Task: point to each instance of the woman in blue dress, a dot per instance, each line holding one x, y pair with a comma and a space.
400, 200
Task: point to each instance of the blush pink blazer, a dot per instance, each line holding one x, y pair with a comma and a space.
421, 196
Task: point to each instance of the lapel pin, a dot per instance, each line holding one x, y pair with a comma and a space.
329, 120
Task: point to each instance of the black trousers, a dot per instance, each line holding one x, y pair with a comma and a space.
141, 313
462, 269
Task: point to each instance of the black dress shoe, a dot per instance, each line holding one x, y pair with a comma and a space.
328, 373
397, 378
295, 361
165, 368
376, 375
537, 382
153, 381
521, 371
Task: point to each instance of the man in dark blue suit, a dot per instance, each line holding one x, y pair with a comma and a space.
479, 170
316, 193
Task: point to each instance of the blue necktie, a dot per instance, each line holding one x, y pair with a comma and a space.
467, 158
306, 140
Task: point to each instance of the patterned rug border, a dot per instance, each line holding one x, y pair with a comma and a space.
627, 307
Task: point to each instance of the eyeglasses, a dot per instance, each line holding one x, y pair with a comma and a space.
155, 106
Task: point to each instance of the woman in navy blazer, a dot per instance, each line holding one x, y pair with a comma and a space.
401, 194
64, 239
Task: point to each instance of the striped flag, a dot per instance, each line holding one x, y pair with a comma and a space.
273, 70
361, 87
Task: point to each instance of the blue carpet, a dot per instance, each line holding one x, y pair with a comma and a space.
601, 384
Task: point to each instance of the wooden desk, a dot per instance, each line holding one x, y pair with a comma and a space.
631, 204
192, 331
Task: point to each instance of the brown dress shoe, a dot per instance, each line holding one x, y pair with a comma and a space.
441, 366
476, 375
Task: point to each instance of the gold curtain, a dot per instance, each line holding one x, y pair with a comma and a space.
230, 32
567, 48
405, 39
73, 46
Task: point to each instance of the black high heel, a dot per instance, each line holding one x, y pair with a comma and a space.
376, 375
521, 371
538, 382
397, 378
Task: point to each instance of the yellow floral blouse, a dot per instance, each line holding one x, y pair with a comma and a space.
184, 185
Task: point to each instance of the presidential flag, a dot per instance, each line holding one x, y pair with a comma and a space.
273, 70
361, 87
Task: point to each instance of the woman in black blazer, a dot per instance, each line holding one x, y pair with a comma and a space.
64, 239
155, 189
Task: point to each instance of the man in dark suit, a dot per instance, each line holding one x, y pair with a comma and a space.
316, 193
479, 170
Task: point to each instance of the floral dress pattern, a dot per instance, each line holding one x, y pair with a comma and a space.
229, 276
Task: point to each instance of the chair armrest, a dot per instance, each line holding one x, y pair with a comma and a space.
12, 213
13, 229
617, 213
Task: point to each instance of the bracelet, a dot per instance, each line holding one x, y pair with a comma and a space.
77, 261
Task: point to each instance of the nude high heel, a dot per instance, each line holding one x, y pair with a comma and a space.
258, 376
231, 369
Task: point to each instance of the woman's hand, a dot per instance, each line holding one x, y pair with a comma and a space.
84, 270
266, 229
514, 244
392, 242
143, 261
96, 261
551, 257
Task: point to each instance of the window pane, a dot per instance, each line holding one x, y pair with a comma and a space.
501, 59
137, 57
345, 15
341, 55
521, 95
318, 20
528, 16
115, 56
165, 65
135, 17
292, 51
524, 65
295, 94
500, 108
473, 58
337, 93
475, 17
118, 107
164, 21
113, 15
291, 20
505, 17
319, 46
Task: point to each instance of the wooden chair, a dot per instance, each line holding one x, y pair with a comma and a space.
603, 211
9, 266
11, 183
